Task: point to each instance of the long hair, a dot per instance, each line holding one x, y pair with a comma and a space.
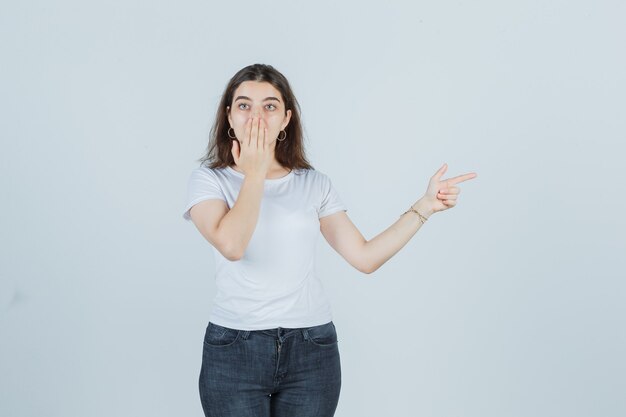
289, 152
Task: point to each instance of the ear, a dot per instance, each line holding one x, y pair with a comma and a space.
286, 120
228, 113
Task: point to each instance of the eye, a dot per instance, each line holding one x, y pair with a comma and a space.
244, 104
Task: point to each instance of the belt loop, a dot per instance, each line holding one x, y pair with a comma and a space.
245, 334
305, 333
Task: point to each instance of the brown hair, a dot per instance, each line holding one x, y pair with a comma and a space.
289, 152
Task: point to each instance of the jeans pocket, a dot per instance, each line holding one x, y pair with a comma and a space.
323, 335
220, 336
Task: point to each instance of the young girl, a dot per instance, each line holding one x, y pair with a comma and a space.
270, 346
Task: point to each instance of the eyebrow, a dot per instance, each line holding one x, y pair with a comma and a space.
248, 98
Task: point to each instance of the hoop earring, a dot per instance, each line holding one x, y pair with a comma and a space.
279, 139
228, 133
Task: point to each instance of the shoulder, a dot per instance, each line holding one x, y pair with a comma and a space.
312, 175
313, 179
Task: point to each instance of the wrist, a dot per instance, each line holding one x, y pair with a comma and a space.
424, 208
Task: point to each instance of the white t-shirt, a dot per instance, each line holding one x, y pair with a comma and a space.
274, 284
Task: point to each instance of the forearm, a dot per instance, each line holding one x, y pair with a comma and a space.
381, 248
238, 225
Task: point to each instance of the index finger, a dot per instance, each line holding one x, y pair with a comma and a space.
461, 178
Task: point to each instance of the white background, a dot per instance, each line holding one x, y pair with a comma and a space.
509, 304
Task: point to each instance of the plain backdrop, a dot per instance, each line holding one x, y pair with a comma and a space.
512, 303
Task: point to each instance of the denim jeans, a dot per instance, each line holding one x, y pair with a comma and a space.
278, 372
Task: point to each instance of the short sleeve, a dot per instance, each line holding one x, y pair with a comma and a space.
331, 201
202, 185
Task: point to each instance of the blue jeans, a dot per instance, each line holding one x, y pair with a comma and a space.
276, 372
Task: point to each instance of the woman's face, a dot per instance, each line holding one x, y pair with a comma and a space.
258, 99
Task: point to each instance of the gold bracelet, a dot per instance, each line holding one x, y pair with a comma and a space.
422, 218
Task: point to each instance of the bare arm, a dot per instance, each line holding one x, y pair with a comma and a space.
367, 256
230, 231
385, 245
237, 226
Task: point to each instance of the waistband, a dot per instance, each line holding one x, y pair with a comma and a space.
280, 333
